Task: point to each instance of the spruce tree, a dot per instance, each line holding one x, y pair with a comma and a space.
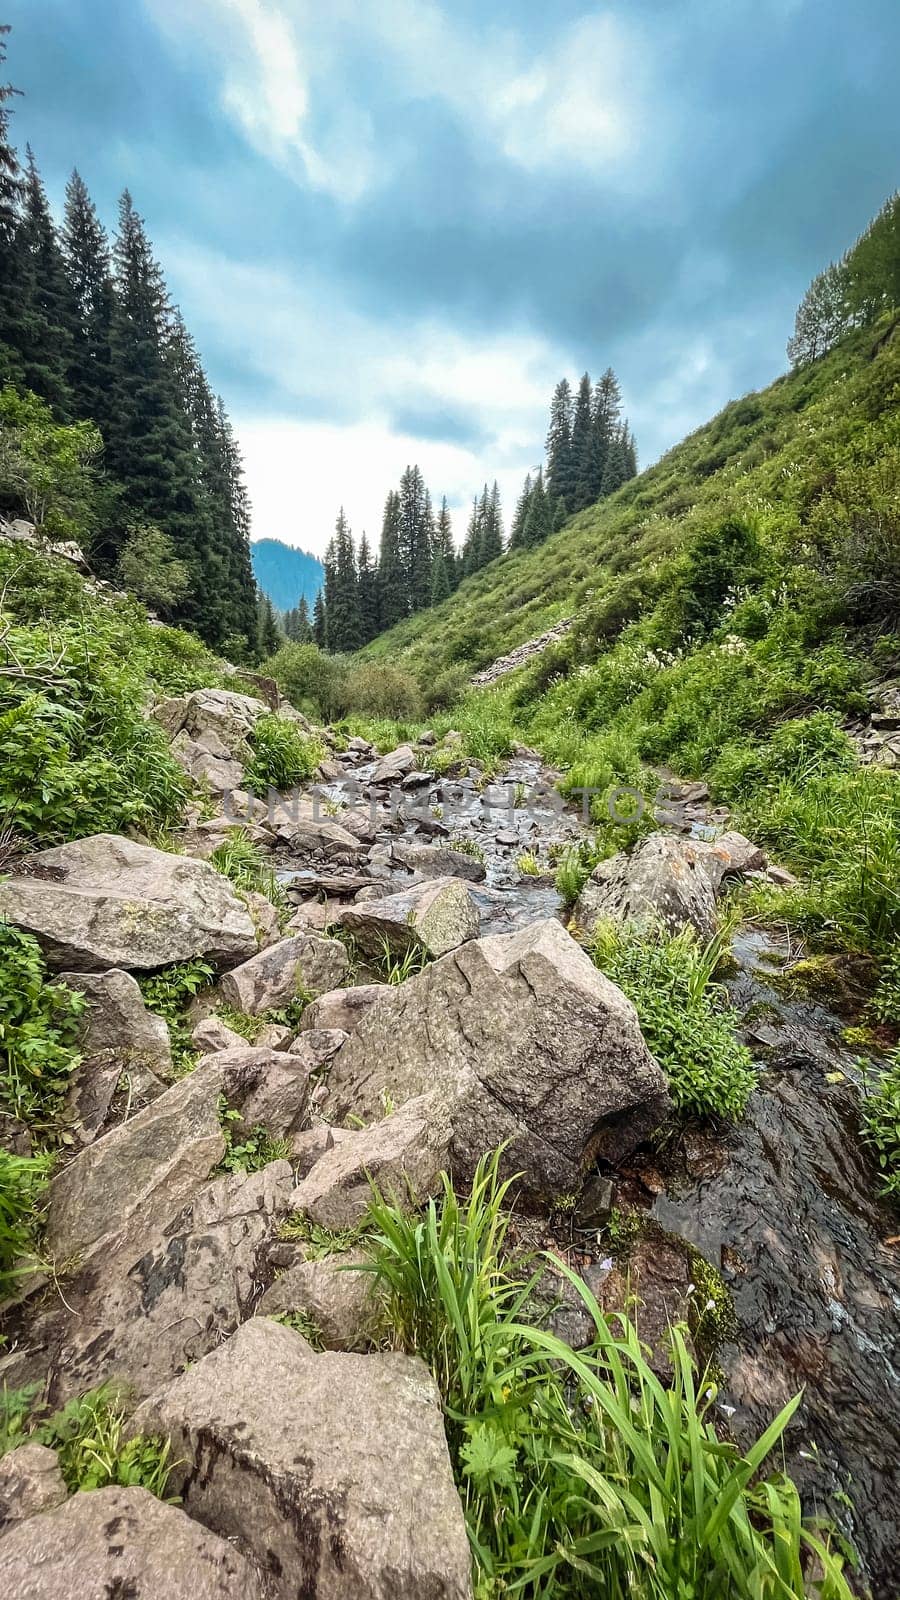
268, 638
582, 442
561, 476
415, 534
615, 472
440, 579
12, 330
48, 305
471, 550
320, 621
342, 595
538, 518
303, 625
444, 546
392, 604
367, 590
88, 269
491, 533
605, 421
559, 516
517, 531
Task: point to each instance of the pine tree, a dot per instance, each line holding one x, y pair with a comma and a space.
88, 269
268, 637
561, 473
582, 443
631, 461
517, 531
48, 306
491, 533
444, 547
392, 591
559, 516
367, 590
605, 421
471, 550
342, 594
12, 332
415, 533
440, 579
615, 472
320, 622
303, 625
537, 521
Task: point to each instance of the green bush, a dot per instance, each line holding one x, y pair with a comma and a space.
881, 1126
38, 1033
282, 756
310, 679
378, 689
250, 1151
683, 1016
23, 1184
168, 993
581, 1474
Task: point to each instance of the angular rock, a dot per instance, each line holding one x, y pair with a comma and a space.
395, 765
403, 1156
230, 716
316, 1046
117, 1035
106, 901
666, 879
440, 861
337, 1298
314, 915
313, 1143
340, 1008
269, 1087
519, 1038
320, 839
304, 963
265, 919
211, 1034
274, 1036
218, 772
334, 1500
121, 1544
30, 1482
434, 917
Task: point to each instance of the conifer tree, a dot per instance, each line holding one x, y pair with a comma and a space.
582, 443
444, 547
517, 531
440, 579
342, 594
88, 269
303, 624
48, 307
561, 476
320, 621
415, 534
268, 636
559, 516
367, 589
11, 308
471, 549
537, 520
605, 420
491, 531
615, 472
391, 576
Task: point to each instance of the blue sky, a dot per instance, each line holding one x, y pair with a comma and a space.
393, 224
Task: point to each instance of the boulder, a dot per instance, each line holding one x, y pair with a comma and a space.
332, 1469
313, 1143
211, 1034
320, 839
222, 713
316, 1046
303, 963
440, 861
117, 1035
107, 901
336, 1297
274, 1036
666, 879
314, 915
340, 1008
217, 772
270, 1088
30, 1482
519, 1038
403, 1156
433, 917
121, 1544
395, 765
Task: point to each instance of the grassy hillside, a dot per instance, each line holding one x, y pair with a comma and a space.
769, 453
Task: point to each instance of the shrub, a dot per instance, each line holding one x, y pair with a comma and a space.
311, 680
682, 1015
251, 1151
379, 690
38, 1032
245, 865
444, 690
167, 994
282, 756
150, 569
46, 467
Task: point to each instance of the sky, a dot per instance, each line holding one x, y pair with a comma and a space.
393, 225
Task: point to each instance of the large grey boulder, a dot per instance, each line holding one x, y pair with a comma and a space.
332, 1469
219, 773
30, 1482
305, 962
334, 1294
220, 719
403, 1155
665, 880
269, 1088
118, 1038
121, 1544
341, 1008
439, 861
318, 839
395, 765
519, 1038
433, 917
107, 901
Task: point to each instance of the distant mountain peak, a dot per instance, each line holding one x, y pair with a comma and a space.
285, 573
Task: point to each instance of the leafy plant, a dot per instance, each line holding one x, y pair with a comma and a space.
252, 1150
23, 1184
282, 756
38, 1032
88, 1435
467, 845
319, 1242
571, 875
683, 1018
304, 1323
396, 968
881, 1126
528, 864
168, 993
16, 1406
245, 865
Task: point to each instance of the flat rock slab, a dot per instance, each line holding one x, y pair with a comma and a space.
332, 1470
440, 861
435, 917
121, 1544
395, 765
519, 1038
306, 962
402, 1155
106, 901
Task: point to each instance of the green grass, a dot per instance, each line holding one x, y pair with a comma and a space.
282, 756
39, 1023
582, 1475
881, 1126
251, 1150
246, 866
23, 1187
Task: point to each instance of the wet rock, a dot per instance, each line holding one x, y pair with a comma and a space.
121, 1544
394, 766
116, 1035
507, 836
312, 1488
360, 747
656, 1274
337, 1298
665, 879
520, 1038
305, 962
403, 1155
434, 917
30, 1482
106, 901
341, 1008
440, 861
320, 839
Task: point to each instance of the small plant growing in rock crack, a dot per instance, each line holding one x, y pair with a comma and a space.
167, 994
528, 864
23, 1186
88, 1435
571, 875
396, 968
880, 1119
39, 1023
242, 861
304, 1323
467, 846
252, 1151
320, 1242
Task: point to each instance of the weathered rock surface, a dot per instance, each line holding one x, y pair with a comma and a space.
231, 717
440, 861
433, 917
216, 770
337, 1298
403, 1155
269, 1087
341, 1008
520, 1038
521, 654
117, 1035
334, 1500
304, 962
316, 1046
320, 839
211, 1034
106, 901
666, 879
30, 1482
121, 1544
395, 765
